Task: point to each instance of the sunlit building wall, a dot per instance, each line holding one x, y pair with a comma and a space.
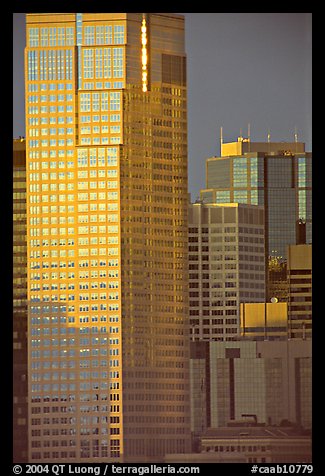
19, 303
106, 127
264, 321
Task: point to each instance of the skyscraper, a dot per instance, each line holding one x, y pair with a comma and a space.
106, 130
226, 266
276, 175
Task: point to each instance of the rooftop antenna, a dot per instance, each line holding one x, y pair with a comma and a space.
296, 138
221, 139
269, 138
249, 136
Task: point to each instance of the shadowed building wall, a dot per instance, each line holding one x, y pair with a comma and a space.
20, 414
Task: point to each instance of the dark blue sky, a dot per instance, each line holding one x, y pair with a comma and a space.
241, 68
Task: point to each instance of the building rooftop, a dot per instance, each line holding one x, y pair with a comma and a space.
244, 146
255, 431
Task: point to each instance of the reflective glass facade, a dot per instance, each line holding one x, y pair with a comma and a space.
280, 180
107, 237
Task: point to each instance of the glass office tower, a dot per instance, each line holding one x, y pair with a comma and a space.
19, 303
106, 134
275, 175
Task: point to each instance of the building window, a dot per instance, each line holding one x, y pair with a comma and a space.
118, 34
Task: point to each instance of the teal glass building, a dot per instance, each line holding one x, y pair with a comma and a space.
277, 176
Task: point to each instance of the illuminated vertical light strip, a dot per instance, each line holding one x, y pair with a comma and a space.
79, 43
144, 54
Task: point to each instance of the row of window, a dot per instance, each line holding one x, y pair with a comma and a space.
100, 140
82, 163
82, 375
49, 109
217, 322
217, 330
45, 187
36, 154
82, 296
70, 198
34, 87
83, 386
244, 449
103, 85
47, 455
226, 229
55, 353
213, 303
65, 36
82, 274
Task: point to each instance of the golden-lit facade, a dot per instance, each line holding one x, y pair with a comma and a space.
264, 321
19, 303
107, 236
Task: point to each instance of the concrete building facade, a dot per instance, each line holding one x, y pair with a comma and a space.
270, 380
226, 266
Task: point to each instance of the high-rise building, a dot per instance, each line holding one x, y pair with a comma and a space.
20, 412
276, 175
226, 266
106, 134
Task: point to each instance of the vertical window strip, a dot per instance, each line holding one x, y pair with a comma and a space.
69, 36
89, 35
33, 65
33, 37
108, 35
61, 36
99, 63
118, 34
107, 63
68, 64
88, 63
117, 62
100, 35
44, 37
53, 36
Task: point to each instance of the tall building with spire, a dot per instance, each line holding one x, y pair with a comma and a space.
106, 145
